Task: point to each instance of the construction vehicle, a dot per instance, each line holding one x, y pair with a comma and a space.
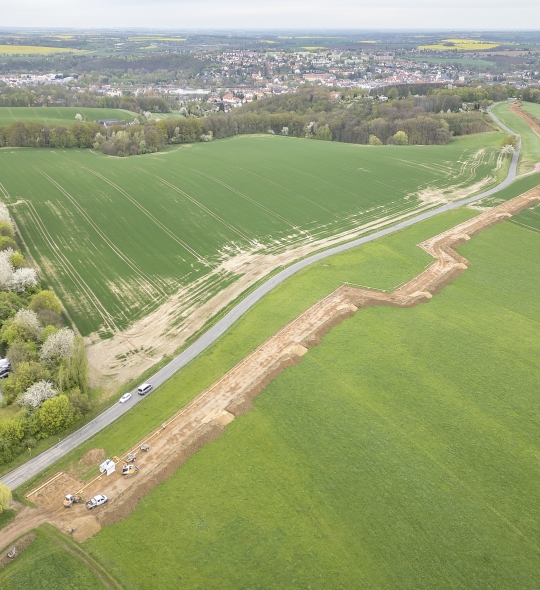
70, 500
131, 458
96, 501
129, 470
145, 447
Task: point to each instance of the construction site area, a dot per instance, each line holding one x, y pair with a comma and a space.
63, 500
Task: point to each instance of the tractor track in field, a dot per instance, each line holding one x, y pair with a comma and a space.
145, 283
151, 217
205, 418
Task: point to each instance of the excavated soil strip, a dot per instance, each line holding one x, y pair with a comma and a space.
204, 419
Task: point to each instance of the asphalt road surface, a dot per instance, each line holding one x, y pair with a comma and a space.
31, 468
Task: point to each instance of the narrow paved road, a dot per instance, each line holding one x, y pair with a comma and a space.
22, 474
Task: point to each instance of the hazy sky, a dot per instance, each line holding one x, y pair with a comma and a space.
257, 14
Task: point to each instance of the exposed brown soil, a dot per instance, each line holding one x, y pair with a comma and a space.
93, 456
20, 545
204, 419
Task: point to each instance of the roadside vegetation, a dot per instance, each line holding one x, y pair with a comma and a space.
44, 385
530, 144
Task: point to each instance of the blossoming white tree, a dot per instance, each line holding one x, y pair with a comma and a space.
30, 320
36, 394
59, 344
4, 214
6, 271
23, 279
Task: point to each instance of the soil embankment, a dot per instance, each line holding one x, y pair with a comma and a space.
206, 416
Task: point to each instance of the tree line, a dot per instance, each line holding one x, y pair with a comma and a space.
311, 113
47, 381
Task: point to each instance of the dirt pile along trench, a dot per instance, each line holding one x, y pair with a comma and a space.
204, 419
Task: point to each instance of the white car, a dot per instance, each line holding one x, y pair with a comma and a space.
125, 398
96, 501
144, 389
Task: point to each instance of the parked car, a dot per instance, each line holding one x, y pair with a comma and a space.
125, 398
144, 389
4, 372
96, 501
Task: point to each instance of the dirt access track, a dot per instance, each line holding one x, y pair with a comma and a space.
206, 416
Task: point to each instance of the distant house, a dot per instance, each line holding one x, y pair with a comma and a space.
110, 122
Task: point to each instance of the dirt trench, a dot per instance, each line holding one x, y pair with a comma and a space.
205, 418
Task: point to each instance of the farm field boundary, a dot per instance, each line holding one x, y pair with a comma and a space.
204, 419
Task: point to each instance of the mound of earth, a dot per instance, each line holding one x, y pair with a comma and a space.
93, 457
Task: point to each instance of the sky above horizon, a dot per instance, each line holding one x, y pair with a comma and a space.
277, 14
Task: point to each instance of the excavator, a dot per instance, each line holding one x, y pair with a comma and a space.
70, 499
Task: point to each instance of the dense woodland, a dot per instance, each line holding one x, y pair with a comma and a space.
405, 118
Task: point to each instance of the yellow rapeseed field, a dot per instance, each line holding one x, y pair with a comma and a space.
461, 45
28, 49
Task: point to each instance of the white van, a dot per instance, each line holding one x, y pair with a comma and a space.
144, 389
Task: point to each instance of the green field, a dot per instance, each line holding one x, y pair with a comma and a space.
530, 149
46, 565
60, 115
411, 466
116, 237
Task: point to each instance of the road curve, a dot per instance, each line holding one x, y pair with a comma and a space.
31, 468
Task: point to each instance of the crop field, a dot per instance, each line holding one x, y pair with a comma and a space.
35, 50
460, 45
60, 115
117, 237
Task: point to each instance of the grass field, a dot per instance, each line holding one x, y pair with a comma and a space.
46, 565
530, 149
60, 115
35, 50
149, 226
402, 452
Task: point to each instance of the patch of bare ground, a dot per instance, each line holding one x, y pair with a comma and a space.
205, 418
19, 546
93, 457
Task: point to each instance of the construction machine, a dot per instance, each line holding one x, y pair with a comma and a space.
70, 500
129, 470
145, 447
